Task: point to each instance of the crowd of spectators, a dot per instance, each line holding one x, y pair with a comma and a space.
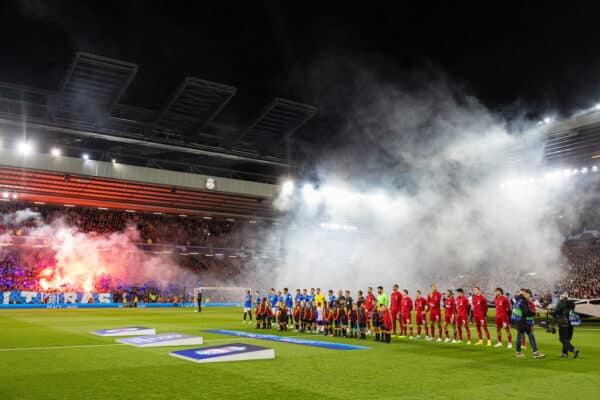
215, 270
20, 269
20, 219
579, 272
583, 272
17, 273
21, 266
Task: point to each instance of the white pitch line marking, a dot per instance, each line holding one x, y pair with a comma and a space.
60, 347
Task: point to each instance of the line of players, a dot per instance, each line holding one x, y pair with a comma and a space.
342, 316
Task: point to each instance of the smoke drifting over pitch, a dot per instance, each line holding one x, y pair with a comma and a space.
420, 178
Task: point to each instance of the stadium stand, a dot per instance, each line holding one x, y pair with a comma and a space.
212, 250
20, 266
583, 270
86, 115
154, 229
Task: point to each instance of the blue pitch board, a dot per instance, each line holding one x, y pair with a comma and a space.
292, 340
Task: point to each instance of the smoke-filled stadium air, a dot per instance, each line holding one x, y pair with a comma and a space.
426, 190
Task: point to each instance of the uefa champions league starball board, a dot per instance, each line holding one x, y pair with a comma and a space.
228, 352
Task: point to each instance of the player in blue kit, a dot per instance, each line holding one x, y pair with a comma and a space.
298, 298
257, 300
273, 300
289, 303
331, 297
248, 307
311, 297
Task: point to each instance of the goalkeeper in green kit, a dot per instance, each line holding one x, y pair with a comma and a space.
381, 297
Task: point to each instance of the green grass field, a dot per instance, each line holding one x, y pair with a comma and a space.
49, 354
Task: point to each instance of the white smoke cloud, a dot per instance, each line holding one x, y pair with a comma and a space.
19, 216
420, 177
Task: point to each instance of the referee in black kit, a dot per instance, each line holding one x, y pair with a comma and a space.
199, 299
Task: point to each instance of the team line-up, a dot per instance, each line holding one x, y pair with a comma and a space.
339, 315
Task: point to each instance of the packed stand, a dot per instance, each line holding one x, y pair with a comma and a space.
583, 272
154, 229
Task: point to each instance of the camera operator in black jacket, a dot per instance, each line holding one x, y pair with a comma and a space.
565, 329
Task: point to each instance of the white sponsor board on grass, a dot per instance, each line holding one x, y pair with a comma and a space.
162, 340
127, 331
223, 353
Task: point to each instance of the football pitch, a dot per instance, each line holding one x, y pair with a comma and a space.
50, 354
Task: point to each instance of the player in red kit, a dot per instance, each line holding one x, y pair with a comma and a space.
370, 302
406, 320
503, 310
395, 308
462, 315
434, 300
450, 316
421, 314
480, 308
402, 327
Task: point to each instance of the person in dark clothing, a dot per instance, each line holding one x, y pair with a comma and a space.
363, 316
360, 300
343, 318
565, 328
522, 316
376, 323
341, 300
199, 298
349, 301
353, 321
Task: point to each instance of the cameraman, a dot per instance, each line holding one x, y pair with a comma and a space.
565, 329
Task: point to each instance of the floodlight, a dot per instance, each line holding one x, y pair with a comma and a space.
24, 147
287, 188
